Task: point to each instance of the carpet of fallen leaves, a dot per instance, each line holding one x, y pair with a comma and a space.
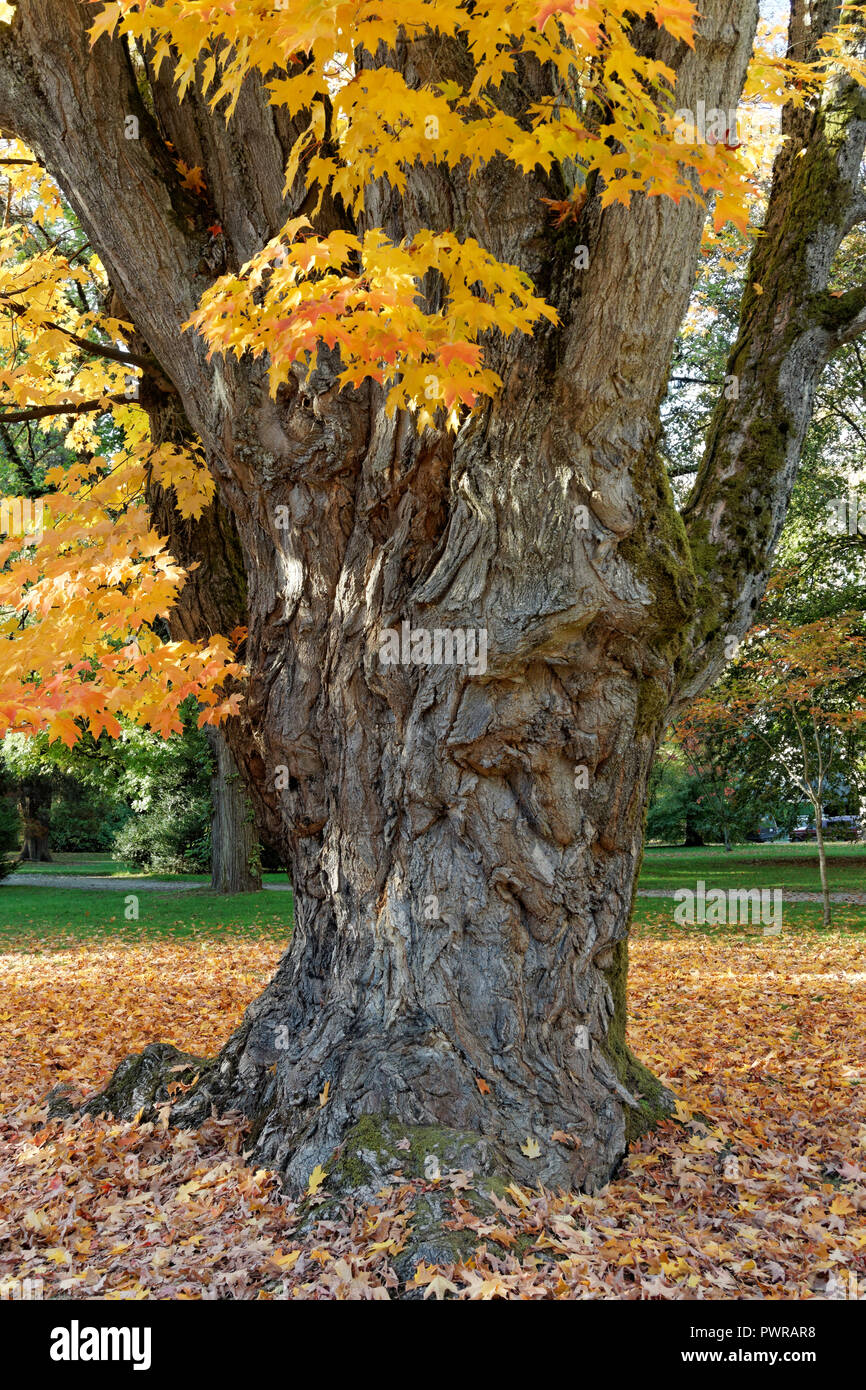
762, 1198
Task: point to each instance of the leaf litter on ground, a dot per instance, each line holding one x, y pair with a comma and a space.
756, 1190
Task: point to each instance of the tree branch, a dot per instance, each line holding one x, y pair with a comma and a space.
42, 412
843, 316
107, 350
856, 213
69, 103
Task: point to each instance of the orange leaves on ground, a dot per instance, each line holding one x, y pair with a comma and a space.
759, 1191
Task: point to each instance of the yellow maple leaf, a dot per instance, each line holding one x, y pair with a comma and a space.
285, 1261
316, 1179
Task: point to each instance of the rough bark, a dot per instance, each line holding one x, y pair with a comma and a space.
463, 845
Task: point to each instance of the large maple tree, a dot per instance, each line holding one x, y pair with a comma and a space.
403, 282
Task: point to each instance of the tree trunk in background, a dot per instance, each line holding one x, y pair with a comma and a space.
234, 852
693, 836
463, 836
818, 807
34, 801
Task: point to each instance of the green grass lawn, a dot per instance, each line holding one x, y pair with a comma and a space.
759, 866
755, 866
50, 917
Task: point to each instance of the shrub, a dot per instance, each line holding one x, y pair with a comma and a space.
85, 820
171, 837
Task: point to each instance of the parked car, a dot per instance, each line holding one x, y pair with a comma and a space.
834, 827
842, 827
765, 833
804, 830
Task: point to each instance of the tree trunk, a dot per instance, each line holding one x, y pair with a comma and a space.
463, 830
459, 953
693, 836
234, 847
34, 801
822, 861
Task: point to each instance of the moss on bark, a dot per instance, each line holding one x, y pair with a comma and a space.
654, 1101
141, 1081
369, 1155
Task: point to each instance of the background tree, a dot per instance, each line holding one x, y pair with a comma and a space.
235, 859
85, 426
799, 692
693, 796
165, 804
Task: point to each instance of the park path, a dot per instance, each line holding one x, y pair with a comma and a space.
120, 885
166, 885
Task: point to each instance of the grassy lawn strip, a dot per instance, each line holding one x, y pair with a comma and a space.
49, 918
755, 866
86, 867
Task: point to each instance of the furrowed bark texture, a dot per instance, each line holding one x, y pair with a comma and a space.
463, 842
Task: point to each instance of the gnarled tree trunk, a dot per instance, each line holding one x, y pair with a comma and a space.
463, 836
